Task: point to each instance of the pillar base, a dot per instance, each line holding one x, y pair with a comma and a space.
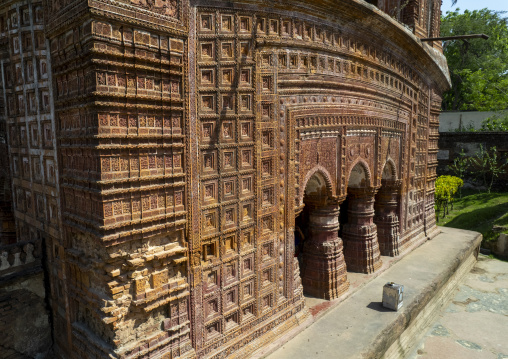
360, 233
362, 249
324, 272
386, 217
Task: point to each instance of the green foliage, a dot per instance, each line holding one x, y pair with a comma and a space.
487, 164
446, 187
496, 123
468, 128
460, 166
479, 212
478, 67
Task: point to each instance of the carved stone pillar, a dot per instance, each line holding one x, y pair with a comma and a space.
360, 234
386, 218
324, 269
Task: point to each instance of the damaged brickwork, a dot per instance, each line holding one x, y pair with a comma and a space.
162, 155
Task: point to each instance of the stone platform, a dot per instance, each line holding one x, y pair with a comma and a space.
357, 326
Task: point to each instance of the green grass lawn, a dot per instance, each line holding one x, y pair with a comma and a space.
478, 212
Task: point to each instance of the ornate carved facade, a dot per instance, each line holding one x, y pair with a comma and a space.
166, 151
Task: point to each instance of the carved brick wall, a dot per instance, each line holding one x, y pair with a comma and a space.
122, 119
175, 141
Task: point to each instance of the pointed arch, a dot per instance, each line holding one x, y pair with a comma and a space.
359, 175
316, 174
389, 170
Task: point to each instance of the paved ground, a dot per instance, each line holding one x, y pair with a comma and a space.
475, 324
359, 326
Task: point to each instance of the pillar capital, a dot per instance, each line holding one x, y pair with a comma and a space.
364, 192
391, 185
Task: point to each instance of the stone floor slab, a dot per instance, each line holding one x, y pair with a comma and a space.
476, 317
359, 327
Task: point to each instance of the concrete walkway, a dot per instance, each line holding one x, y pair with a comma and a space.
359, 327
475, 324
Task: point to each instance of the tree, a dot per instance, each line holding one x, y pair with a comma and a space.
478, 67
486, 163
460, 166
446, 187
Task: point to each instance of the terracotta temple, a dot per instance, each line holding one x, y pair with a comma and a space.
179, 174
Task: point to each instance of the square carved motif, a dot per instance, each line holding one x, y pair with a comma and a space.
227, 130
261, 25
206, 23
267, 224
266, 110
230, 272
231, 298
207, 51
266, 302
246, 158
266, 60
227, 77
212, 307
227, 50
207, 130
246, 183
210, 252
247, 290
231, 321
266, 167
245, 49
207, 103
248, 312
210, 278
227, 23
159, 279
267, 197
245, 24
207, 77
283, 60
229, 244
229, 187
212, 330
267, 250
245, 77
266, 276
209, 162
228, 102
248, 267
228, 160
245, 103
286, 28
210, 192
274, 27
267, 139
246, 130
246, 213
210, 221
229, 217
247, 239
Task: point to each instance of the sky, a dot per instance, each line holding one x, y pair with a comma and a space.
499, 5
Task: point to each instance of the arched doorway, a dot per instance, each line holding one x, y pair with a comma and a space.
361, 248
323, 269
386, 207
